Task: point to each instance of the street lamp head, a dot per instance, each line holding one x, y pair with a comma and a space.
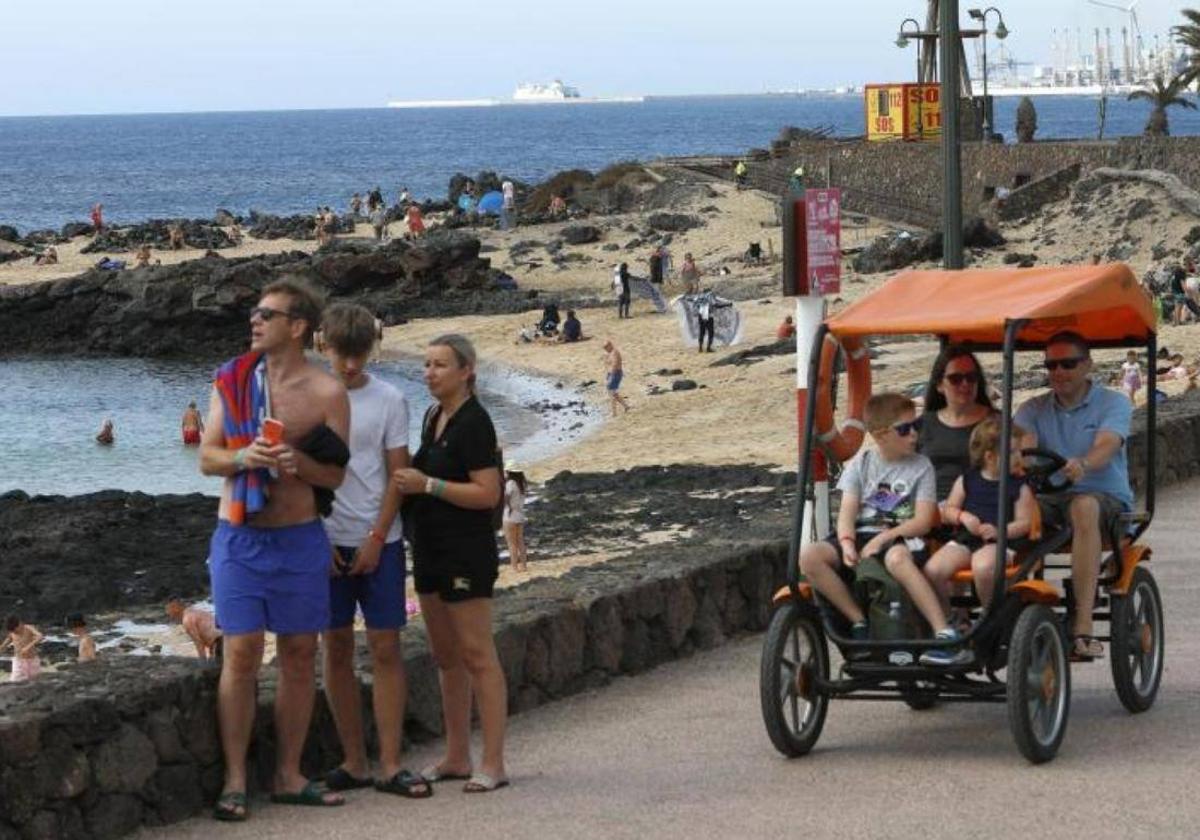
901, 41
1001, 30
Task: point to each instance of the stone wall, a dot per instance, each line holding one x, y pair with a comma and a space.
903, 181
103, 748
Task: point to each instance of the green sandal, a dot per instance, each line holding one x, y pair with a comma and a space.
226, 807
309, 795
406, 783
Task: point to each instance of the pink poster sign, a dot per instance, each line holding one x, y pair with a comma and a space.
823, 224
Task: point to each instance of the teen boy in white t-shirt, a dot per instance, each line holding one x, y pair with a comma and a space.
368, 563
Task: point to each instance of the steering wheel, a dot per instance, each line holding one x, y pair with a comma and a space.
1043, 470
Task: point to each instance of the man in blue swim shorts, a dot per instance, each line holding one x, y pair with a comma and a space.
615, 373
368, 563
275, 432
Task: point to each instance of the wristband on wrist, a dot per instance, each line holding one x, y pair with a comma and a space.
239, 459
429, 487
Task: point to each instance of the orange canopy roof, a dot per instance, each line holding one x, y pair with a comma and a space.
1103, 303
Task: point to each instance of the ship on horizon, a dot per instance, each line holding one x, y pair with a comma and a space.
535, 93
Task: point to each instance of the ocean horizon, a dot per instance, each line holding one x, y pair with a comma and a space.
187, 165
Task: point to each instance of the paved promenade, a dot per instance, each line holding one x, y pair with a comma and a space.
681, 753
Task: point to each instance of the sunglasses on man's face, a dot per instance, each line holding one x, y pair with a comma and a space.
969, 377
267, 313
1065, 364
905, 429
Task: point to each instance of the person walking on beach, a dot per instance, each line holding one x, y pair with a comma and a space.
416, 223
368, 562
23, 639
615, 372
656, 272
508, 206
624, 293
514, 516
175, 237
356, 204
690, 275
98, 218
269, 558
379, 222
451, 492
191, 425
78, 628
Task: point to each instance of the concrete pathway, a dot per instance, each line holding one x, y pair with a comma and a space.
682, 753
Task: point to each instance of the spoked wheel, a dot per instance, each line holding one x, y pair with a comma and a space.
1039, 684
1137, 642
794, 655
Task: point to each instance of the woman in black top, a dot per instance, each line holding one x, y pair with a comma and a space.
624, 298
450, 493
956, 401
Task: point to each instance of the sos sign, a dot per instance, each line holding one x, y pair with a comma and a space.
903, 112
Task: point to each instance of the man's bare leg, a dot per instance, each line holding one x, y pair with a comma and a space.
236, 704
389, 693
294, 694
345, 699
1085, 559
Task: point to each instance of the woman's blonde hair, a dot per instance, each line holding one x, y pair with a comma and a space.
464, 353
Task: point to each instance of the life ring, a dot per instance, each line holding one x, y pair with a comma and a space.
843, 442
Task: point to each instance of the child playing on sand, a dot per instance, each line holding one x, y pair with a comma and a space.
78, 628
1131, 376
201, 627
23, 639
514, 516
971, 508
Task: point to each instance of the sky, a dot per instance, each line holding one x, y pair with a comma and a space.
128, 56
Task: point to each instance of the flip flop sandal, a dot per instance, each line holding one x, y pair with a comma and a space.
1086, 648
483, 783
341, 779
309, 795
432, 774
406, 784
226, 807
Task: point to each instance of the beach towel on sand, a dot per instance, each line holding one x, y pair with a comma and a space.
242, 385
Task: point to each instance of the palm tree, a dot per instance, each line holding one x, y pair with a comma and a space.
1163, 95
1188, 35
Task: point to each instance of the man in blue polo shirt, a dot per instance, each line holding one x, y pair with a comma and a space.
1087, 424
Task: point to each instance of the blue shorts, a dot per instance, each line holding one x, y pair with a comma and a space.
614, 379
379, 594
273, 579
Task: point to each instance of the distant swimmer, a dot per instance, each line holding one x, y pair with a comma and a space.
192, 425
201, 627
78, 628
105, 436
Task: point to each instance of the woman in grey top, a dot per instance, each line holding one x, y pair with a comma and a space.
956, 401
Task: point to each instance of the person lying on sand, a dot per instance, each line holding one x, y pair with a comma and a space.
201, 627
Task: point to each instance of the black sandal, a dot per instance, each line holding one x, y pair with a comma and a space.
227, 805
407, 784
341, 779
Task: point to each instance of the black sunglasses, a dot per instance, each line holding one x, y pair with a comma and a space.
905, 429
970, 377
1065, 364
267, 313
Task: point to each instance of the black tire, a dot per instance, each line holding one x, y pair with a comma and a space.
919, 698
794, 652
1039, 683
1137, 635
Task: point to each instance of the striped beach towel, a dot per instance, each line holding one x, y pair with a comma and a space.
242, 384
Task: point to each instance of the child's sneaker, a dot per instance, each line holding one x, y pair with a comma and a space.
947, 656
859, 632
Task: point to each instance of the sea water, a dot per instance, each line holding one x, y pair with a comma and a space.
51, 409
52, 169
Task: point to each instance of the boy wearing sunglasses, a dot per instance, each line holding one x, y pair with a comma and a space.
1087, 424
889, 501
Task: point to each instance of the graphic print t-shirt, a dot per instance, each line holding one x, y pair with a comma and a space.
888, 491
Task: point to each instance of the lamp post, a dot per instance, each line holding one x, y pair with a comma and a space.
952, 232
902, 42
1001, 34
